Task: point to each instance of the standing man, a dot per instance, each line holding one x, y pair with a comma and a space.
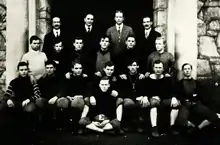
50, 38
90, 34
146, 40
118, 34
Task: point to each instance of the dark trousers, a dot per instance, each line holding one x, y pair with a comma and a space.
196, 108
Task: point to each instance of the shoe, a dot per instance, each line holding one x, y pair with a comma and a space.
173, 130
140, 130
119, 131
80, 132
155, 132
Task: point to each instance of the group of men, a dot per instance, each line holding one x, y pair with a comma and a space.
103, 81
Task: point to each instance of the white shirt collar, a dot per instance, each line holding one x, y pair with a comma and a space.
147, 31
86, 26
55, 32
121, 26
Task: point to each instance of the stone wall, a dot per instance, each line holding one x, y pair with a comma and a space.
2, 44
208, 24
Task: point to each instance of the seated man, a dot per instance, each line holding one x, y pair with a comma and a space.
160, 91
108, 71
103, 110
131, 90
23, 92
49, 86
190, 100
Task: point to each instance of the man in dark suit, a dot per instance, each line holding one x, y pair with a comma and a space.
90, 34
55, 35
118, 34
146, 41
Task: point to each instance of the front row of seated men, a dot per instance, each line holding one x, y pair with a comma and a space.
103, 103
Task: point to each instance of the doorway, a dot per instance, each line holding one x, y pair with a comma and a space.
72, 14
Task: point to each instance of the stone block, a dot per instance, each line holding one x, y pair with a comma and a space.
160, 17
212, 33
2, 63
3, 2
2, 55
199, 5
212, 13
214, 25
160, 4
201, 27
201, 15
2, 42
207, 46
212, 3
203, 68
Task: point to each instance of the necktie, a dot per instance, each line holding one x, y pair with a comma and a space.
119, 30
89, 29
57, 34
146, 34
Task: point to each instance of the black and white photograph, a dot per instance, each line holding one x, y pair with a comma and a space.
92, 72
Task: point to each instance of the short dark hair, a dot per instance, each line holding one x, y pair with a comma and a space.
109, 63
56, 41
105, 36
119, 11
104, 78
185, 65
130, 36
131, 61
49, 62
74, 62
78, 38
151, 19
22, 63
34, 37
157, 62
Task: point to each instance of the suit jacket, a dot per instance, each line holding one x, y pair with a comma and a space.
50, 39
118, 45
146, 46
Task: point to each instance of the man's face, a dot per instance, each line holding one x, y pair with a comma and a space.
89, 19
130, 42
77, 69
119, 18
56, 23
158, 68
35, 45
187, 70
50, 69
159, 45
78, 44
104, 43
133, 67
58, 47
109, 70
23, 71
147, 23
104, 85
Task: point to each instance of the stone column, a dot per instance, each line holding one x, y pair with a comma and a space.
171, 26
160, 16
186, 33
43, 18
31, 18
16, 35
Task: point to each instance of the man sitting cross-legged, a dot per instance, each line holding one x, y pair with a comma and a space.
192, 102
103, 110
